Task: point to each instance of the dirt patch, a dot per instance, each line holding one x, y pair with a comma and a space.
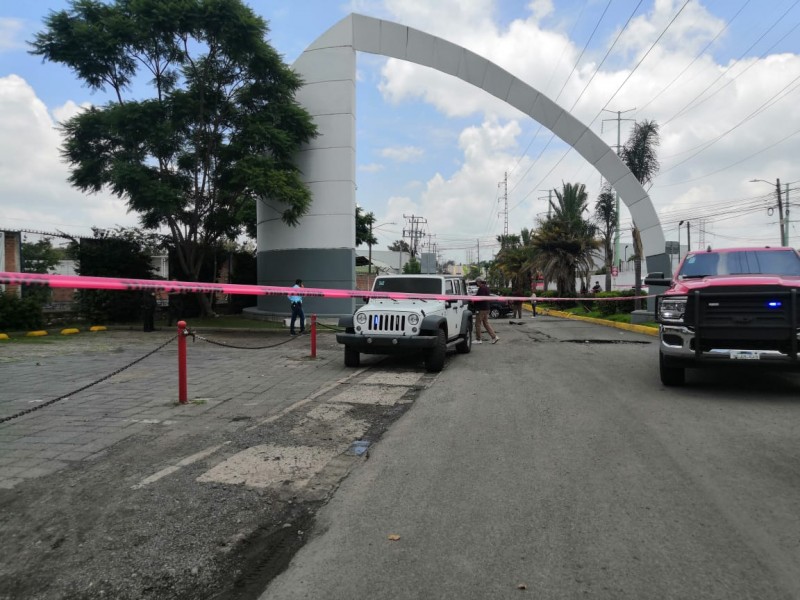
94, 530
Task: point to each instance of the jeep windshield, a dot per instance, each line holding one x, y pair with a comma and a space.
409, 285
741, 262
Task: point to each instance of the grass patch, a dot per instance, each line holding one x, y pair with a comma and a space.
616, 318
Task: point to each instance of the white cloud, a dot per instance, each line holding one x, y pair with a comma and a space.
541, 9
36, 192
403, 154
68, 110
10, 34
371, 168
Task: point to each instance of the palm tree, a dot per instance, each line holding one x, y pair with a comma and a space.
605, 211
639, 154
515, 260
565, 240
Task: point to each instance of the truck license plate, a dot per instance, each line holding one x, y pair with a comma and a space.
744, 355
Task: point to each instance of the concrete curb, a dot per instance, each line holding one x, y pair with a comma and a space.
626, 326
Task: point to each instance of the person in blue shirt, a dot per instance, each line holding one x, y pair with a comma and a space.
297, 310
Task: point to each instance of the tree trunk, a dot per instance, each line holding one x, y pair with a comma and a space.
206, 309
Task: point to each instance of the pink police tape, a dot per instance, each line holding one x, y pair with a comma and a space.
113, 283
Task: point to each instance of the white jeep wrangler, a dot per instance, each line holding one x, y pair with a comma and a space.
408, 326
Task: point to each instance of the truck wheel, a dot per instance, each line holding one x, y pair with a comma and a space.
352, 358
494, 313
670, 375
434, 359
465, 345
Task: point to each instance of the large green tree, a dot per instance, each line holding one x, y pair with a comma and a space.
219, 130
565, 239
639, 154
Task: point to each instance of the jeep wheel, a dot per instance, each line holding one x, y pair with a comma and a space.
494, 313
465, 345
352, 358
670, 375
434, 359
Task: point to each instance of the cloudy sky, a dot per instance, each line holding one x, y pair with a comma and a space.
720, 77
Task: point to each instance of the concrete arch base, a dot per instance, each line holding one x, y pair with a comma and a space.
324, 268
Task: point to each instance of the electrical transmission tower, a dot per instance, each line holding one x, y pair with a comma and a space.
504, 183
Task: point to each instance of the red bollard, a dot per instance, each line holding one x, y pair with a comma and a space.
313, 336
182, 392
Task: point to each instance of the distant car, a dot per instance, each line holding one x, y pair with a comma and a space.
499, 309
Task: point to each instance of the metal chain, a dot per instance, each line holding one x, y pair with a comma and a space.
72, 393
227, 345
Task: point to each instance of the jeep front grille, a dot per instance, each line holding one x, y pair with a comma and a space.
385, 323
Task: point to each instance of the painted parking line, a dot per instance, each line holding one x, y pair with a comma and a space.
178, 466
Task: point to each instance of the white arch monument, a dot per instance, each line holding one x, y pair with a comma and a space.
320, 250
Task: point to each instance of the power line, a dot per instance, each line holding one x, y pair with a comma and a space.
649, 50
721, 75
696, 58
574, 104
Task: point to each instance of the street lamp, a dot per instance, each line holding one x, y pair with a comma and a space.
369, 243
784, 228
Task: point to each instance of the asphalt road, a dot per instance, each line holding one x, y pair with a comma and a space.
555, 465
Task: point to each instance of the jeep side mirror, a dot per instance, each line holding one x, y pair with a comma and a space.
657, 279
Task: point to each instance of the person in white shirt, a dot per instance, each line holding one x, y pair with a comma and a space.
297, 309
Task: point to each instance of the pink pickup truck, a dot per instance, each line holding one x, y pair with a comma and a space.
732, 305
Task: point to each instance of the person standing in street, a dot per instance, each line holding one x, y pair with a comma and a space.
516, 305
533, 304
297, 310
482, 306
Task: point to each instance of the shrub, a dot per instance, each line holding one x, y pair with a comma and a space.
19, 313
610, 307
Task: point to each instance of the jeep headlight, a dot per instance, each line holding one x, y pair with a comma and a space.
361, 318
413, 319
672, 309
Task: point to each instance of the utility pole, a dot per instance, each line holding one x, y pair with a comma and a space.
619, 120
780, 212
786, 220
549, 200
414, 233
688, 237
504, 183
